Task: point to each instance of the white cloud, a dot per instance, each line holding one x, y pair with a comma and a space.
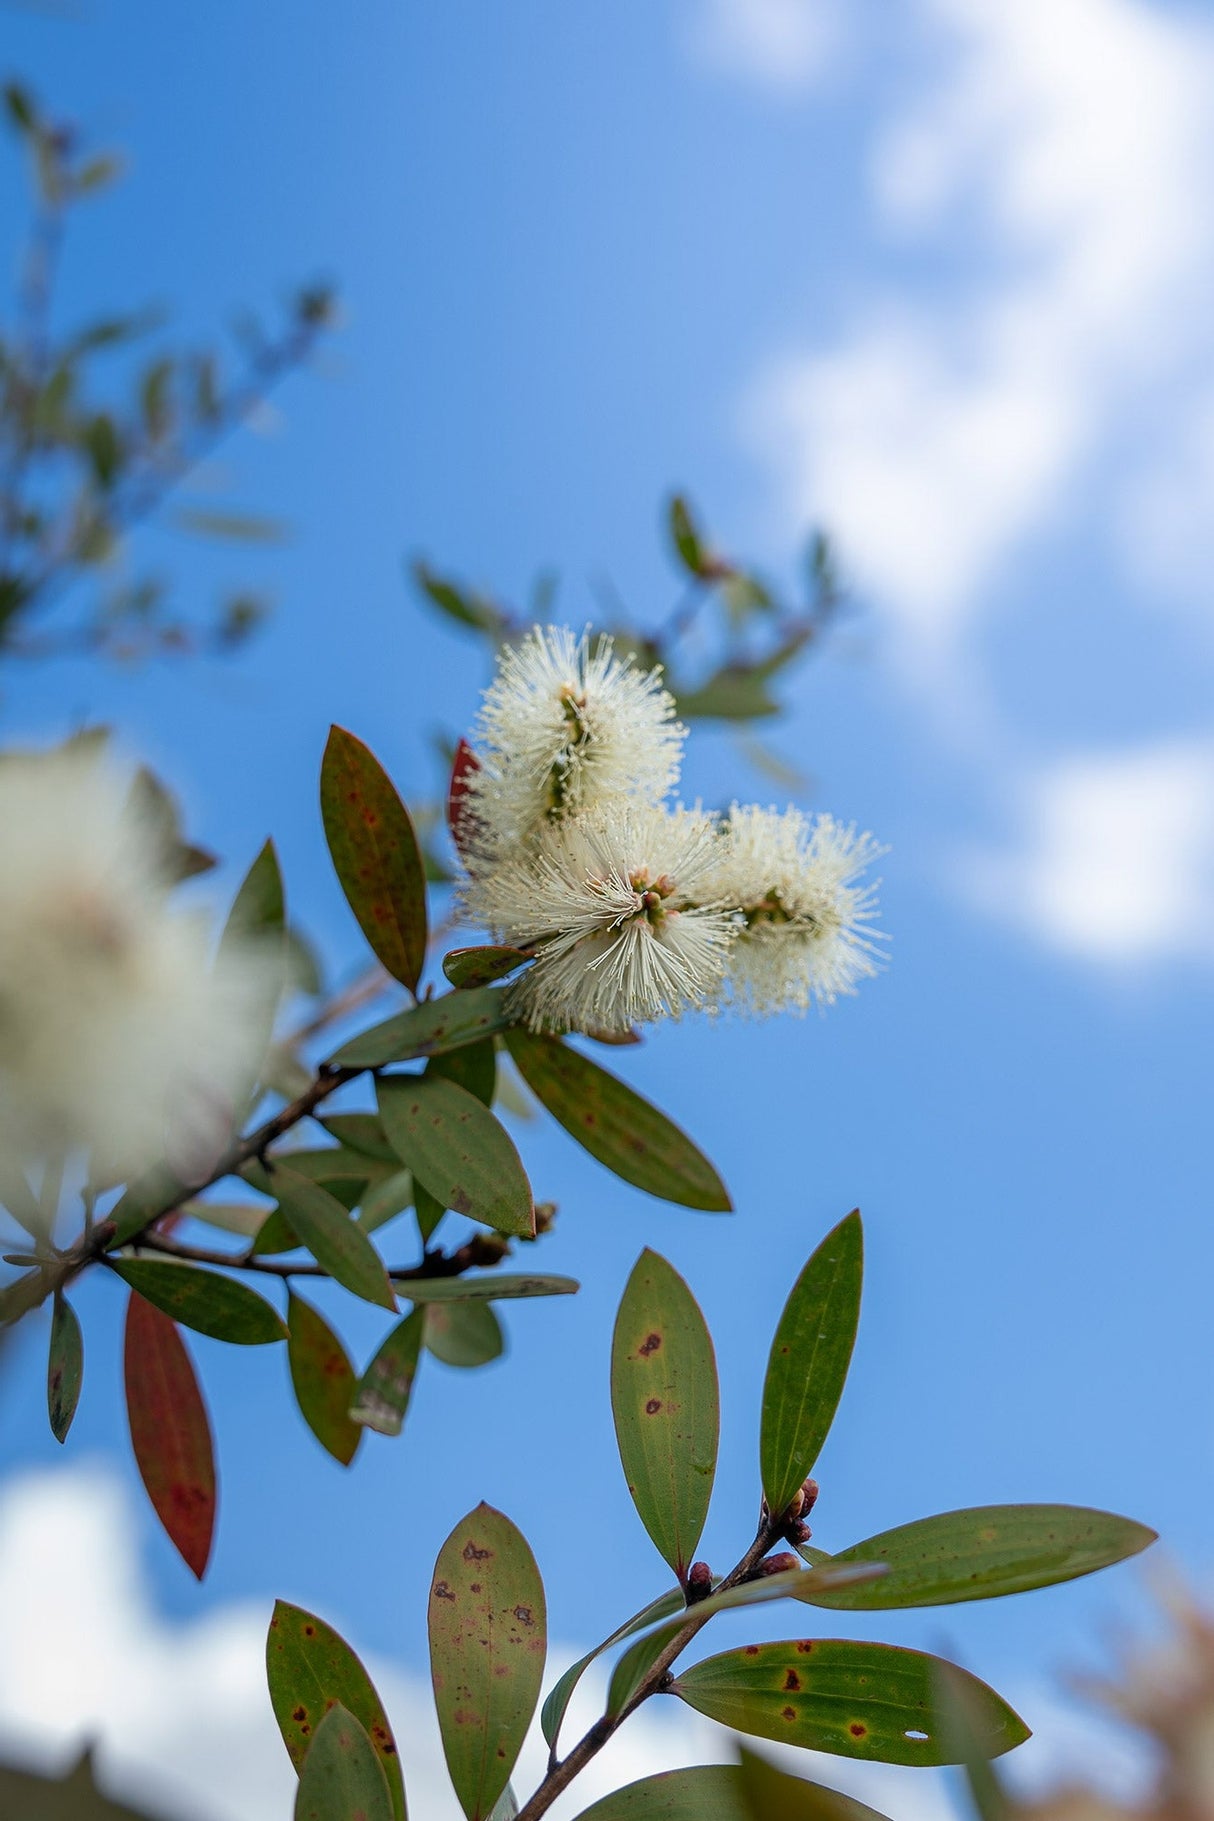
781, 44
180, 1710
1115, 862
1060, 160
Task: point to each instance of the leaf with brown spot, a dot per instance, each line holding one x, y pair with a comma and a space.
859, 1700
488, 1636
630, 1137
207, 1301
810, 1355
64, 1367
984, 1553
323, 1381
375, 855
665, 1402
342, 1778
457, 1150
170, 1431
310, 1669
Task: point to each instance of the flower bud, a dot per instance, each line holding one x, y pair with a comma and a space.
699, 1582
779, 1563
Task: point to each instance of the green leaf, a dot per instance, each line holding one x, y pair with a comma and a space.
310, 1669
333, 1239
794, 1583
985, 1552
383, 1201
170, 1431
241, 527
665, 1403
686, 538
473, 1067
706, 1792
497, 1286
870, 1701
736, 693
24, 1293
64, 1367
962, 1728
375, 855
808, 1363
342, 1777
206, 1301
429, 1029
243, 1218
383, 1393
615, 1125
458, 1150
259, 906
323, 1379
559, 1697
144, 1199
360, 1132
473, 967
463, 1334
772, 1795
488, 1630
457, 603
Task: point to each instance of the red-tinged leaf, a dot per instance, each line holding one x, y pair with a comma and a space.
323, 1379
460, 820
375, 854
170, 1431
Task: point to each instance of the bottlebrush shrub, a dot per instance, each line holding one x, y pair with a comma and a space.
140, 1074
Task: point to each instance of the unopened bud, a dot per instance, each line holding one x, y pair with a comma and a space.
699, 1582
797, 1532
545, 1214
809, 1493
780, 1563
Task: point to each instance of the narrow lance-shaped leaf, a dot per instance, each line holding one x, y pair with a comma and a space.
750, 1791
170, 1432
665, 1403
481, 966
458, 1150
870, 1701
206, 1301
334, 1240
310, 1669
630, 1137
504, 1286
323, 1380
64, 1367
808, 1363
375, 854
983, 1553
342, 1778
383, 1393
488, 1632
556, 1705
429, 1029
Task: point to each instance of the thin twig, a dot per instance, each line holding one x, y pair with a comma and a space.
561, 1775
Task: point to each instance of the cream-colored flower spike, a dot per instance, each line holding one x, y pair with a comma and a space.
118, 1037
567, 724
807, 932
613, 903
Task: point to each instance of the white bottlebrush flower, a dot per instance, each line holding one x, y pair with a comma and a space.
564, 725
119, 1039
806, 918
612, 902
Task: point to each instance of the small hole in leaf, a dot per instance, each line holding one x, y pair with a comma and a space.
914, 1732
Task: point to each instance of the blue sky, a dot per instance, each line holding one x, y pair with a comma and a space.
941, 283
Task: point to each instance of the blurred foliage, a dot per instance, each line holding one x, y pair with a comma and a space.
101, 423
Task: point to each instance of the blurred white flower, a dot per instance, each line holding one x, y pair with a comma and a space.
806, 934
613, 904
118, 1037
565, 725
